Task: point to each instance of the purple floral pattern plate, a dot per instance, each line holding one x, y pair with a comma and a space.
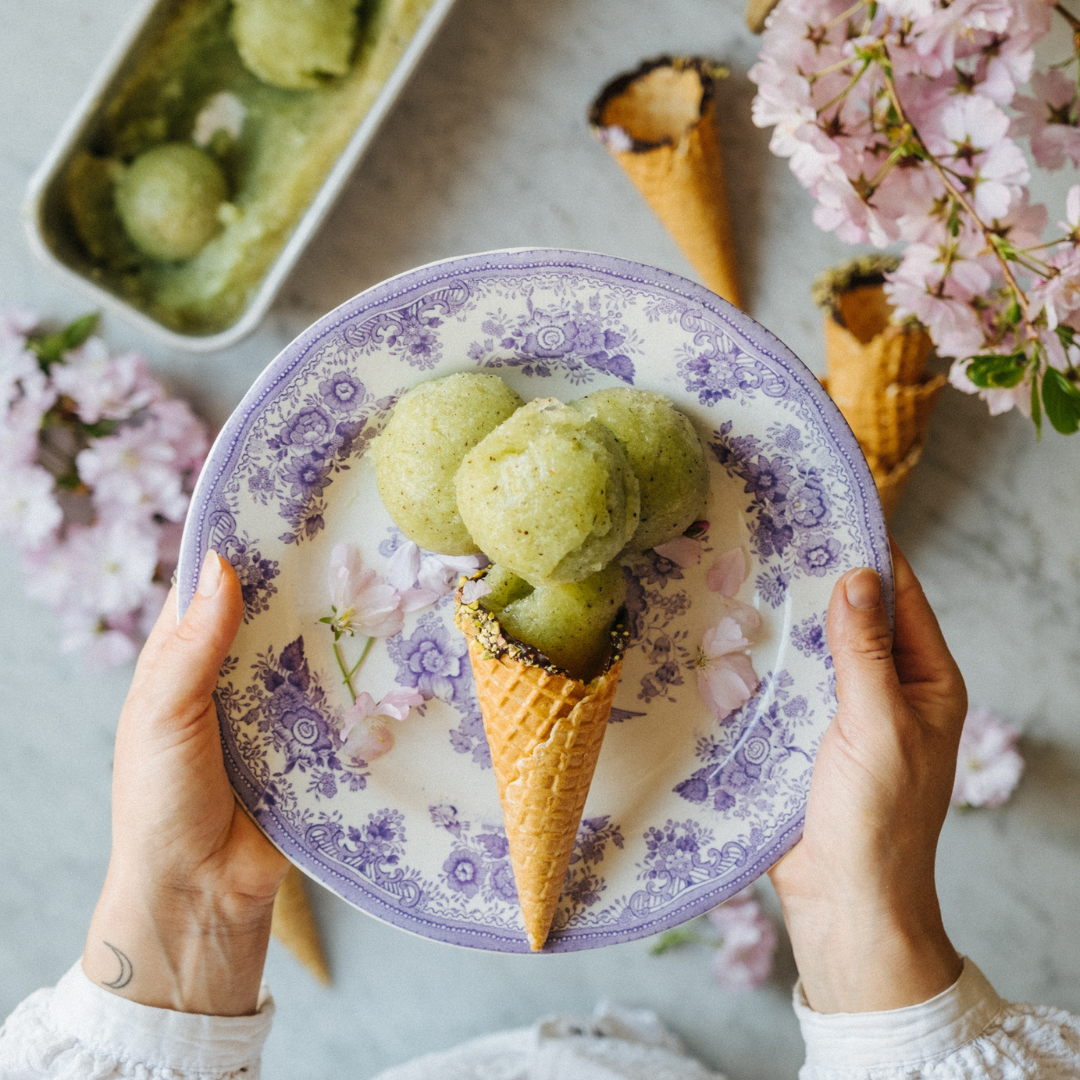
684, 811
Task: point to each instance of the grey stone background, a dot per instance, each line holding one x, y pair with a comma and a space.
487, 148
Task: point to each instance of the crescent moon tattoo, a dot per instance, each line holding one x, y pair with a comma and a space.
126, 970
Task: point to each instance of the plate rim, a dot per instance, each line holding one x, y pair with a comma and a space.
296, 352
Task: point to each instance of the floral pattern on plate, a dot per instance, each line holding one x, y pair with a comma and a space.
684, 811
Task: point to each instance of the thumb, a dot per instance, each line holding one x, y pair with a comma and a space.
180, 663
860, 641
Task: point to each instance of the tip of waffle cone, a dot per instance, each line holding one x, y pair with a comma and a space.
544, 730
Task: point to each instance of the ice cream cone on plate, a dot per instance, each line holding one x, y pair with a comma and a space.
659, 124
877, 372
545, 731
294, 926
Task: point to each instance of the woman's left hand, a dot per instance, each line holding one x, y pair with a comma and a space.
183, 920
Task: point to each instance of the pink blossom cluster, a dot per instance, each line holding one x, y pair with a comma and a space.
96, 469
989, 766
901, 118
744, 960
365, 604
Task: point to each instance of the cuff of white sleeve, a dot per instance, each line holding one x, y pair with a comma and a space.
897, 1037
158, 1038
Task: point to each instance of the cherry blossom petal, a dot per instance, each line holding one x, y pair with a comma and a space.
726, 683
682, 551
728, 572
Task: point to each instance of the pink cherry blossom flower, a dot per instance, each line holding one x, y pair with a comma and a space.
105, 387
745, 958
364, 737
683, 551
1049, 119
135, 468
989, 766
29, 512
362, 601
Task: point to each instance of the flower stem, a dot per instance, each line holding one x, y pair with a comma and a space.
346, 674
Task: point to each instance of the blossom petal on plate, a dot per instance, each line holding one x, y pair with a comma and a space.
403, 566
473, 590
415, 599
728, 572
723, 638
369, 738
397, 703
726, 683
682, 551
377, 610
345, 572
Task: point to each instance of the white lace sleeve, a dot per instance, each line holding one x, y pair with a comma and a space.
965, 1033
78, 1031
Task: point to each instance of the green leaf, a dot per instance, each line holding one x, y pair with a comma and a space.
1062, 401
50, 348
74, 334
1066, 334
1036, 407
100, 429
672, 939
997, 372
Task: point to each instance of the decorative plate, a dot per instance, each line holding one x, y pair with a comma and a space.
684, 811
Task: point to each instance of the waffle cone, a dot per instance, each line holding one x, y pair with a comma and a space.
670, 149
294, 926
890, 421
545, 731
865, 351
877, 377
892, 482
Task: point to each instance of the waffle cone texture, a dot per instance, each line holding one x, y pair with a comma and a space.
877, 377
545, 731
670, 149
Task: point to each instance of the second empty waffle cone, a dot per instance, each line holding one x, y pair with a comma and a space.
659, 124
877, 372
545, 731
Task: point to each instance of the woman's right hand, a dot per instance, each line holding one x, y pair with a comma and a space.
858, 889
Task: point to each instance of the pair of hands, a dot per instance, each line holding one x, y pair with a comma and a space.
184, 918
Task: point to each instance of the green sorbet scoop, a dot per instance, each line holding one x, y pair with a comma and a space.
432, 427
168, 201
570, 624
295, 44
666, 454
549, 494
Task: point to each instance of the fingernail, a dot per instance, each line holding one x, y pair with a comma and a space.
210, 574
863, 590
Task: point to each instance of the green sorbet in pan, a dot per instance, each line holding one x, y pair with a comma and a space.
289, 142
549, 494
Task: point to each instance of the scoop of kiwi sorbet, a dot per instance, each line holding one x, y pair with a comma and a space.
295, 44
432, 427
664, 451
168, 201
570, 624
549, 494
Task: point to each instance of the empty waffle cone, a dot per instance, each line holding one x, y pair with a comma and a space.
865, 350
890, 421
877, 371
545, 731
294, 926
892, 482
659, 124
